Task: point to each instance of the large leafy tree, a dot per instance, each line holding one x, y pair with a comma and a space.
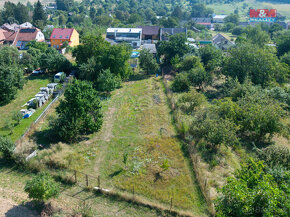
252, 192
176, 46
95, 55
42, 187
6, 147
79, 113
11, 74
259, 64
210, 56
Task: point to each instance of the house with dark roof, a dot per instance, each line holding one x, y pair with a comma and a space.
165, 33
150, 32
203, 21
221, 42
132, 36
22, 37
60, 35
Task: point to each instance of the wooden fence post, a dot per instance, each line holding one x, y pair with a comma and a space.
133, 192
87, 180
170, 204
99, 182
76, 177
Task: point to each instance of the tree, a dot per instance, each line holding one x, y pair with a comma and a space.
283, 43
260, 65
252, 192
176, 46
11, 74
199, 77
6, 147
108, 81
39, 17
62, 20
286, 58
232, 18
210, 56
79, 113
21, 13
200, 10
93, 13
177, 12
257, 36
42, 187
148, 62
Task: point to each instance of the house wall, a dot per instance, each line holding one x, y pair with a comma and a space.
74, 39
40, 37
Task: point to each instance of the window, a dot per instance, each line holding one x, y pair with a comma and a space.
67, 37
57, 46
60, 36
54, 36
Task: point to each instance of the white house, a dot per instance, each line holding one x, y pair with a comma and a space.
133, 36
219, 18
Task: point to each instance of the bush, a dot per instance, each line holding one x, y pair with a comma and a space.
108, 81
42, 187
148, 62
189, 102
6, 147
199, 77
181, 83
252, 192
275, 156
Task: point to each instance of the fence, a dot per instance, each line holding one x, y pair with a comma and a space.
94, 184
195, 159
43, 114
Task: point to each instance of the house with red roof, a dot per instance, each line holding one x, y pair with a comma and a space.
22, 37
60, 35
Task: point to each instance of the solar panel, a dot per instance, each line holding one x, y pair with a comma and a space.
27, 30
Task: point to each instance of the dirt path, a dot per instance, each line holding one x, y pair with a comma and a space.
105, 134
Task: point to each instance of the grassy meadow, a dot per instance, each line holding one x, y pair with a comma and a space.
283, 9
137, 147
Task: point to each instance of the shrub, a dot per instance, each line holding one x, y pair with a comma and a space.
275, 156
199, 77
42, 187
181, 83
108, 81
6, 147
188, 102
252, 192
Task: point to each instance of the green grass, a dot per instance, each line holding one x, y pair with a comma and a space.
137, 122
31, 87
244, 13
141, 113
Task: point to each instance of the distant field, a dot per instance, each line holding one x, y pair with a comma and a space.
283, 9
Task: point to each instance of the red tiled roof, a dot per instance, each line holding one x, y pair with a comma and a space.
26, 34
59, 33
10, 36
204, 23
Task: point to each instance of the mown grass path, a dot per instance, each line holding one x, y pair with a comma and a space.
138, 148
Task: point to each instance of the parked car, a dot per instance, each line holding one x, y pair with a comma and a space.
59, 77
37, 72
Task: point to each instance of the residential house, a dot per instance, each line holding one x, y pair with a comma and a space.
150, 32
10, 27
132, 36
221, 42
60, 35
25, 35
218, 18
26, 25
203, 21
165, 33
2, 36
